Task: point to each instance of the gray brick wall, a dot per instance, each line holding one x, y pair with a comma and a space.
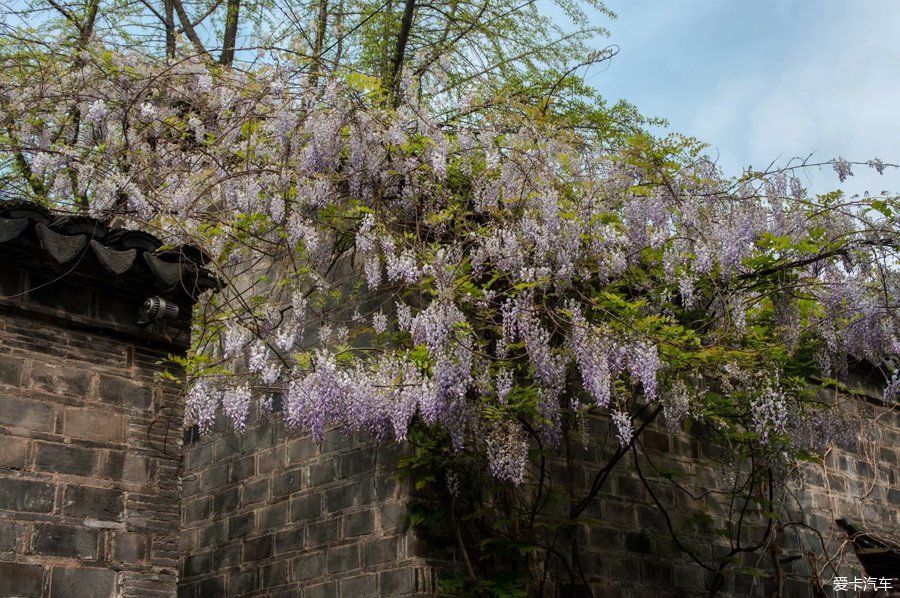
89, 463
271, 513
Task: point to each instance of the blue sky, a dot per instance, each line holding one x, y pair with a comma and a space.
766, 80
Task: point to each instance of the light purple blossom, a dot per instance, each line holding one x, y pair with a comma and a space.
624, 427
507, 451
643, 365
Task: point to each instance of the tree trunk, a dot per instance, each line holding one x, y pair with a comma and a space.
393, 82
170, 28
231, 27
319, 43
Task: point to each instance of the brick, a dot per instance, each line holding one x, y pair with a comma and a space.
397, 581
130, 547
380, 551
340, 498
356, 463
301, 449
255, 492
225, 501
94, 424
268, 461
199, 456
290, 540
638, 542
26, 495
212, 534
227, 556
212, 587
30, 414
241, 582
358, 524
323, 532
286, 483
13, 450
393, 515
319, 473
104, 504
9, 533
18, 579
65, 458
306, 507
197, 510
65, 540
10, 370
322, 590
215, 477
257, 549
240, 525
651, 439
124, 393
226, 446
273, 574
197, 564
361, 586
60, 380
308, 566
273, 516
241, 469
343, 558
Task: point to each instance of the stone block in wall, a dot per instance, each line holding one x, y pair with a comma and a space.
255, 492
360, 586
211, 588
397, 582
321, 590
94, 424
56, 457
13, 451
226, 557
19, 579
124, 393
226, 501
342, 558
10, 532
287, 482
54, 539
127, 467
289, 540
308, 566
257, 549
130, 547
323, 532
71, 582
241, 525
273, 516
273, 574
59, 380
359, 524
340, 498
241, 582
11, 370
31, 414
26, 495
103, 504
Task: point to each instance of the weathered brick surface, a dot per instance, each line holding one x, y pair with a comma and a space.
272, 513
89, 463
627, 549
